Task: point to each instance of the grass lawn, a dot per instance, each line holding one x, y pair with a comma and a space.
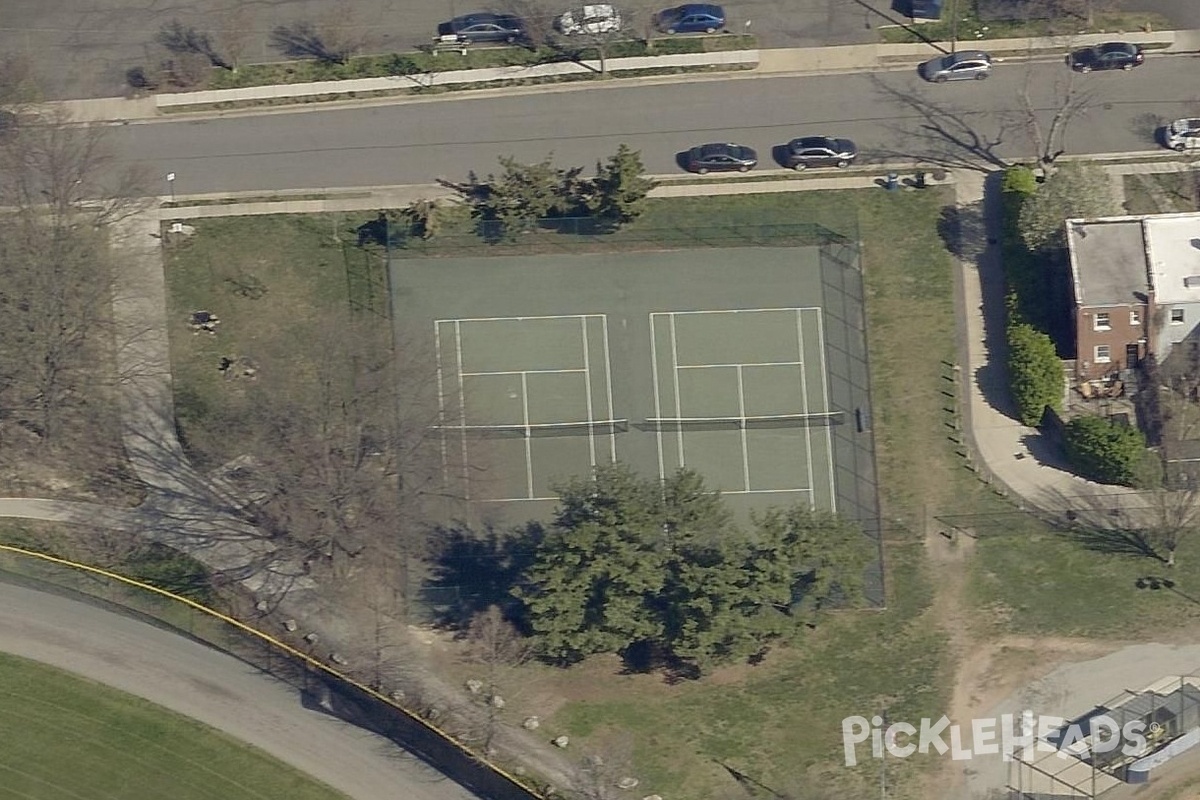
423, 61
970, 28
71, 738
1162, 193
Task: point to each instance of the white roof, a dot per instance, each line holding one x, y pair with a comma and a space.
1173, 248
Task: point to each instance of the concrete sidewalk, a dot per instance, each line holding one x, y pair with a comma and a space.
770, 63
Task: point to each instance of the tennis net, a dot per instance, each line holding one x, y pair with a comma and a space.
821, 420
603, 427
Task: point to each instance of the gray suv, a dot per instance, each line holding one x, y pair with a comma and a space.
961, 66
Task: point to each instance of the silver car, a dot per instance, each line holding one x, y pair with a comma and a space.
1182, 134
961, 66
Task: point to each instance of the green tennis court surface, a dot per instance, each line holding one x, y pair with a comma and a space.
726, 361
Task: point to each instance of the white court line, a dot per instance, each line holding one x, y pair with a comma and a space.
828, 431
587, 388
751, 364
462, 410
804, 403
521, 319
516, 499
437, 350
528, 434
523, 372
741, 386
612, 435
675, 376
740, 310
662, 467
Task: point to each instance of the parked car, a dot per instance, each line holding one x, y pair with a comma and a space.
819, 151
721, 157
961, 66
1109, 55
925, 9
691, 18
1182, 134
483, 27
593, 19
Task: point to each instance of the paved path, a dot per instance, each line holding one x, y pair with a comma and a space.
216, 689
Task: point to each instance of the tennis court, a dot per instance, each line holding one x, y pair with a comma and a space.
534, 393
548, 366
742, 397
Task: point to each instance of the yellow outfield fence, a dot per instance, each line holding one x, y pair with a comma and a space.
339, 694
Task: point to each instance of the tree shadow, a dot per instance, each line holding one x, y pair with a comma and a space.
991, 377
1118, 541
963, 230
375, 231
473, 570
946, 135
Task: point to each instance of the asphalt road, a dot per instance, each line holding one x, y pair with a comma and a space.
218, 690
891, 115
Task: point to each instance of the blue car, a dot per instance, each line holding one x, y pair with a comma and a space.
691, 18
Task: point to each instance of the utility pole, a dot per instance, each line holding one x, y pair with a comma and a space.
954, 27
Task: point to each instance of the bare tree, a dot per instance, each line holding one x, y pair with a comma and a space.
497, 648
607, 772
538, 16
181, 39
1068, 101
333, 39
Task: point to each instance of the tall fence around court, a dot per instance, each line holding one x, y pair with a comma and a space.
335, 692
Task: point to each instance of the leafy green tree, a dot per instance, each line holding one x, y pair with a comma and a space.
1035, 373
599, 572
523, 194
1073, 191
1105, 451
620, 188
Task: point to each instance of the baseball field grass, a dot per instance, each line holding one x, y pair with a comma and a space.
65, 737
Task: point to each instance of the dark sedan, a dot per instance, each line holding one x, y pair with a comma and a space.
691, 18
483, 27
1110, 55
721, 157
820, 151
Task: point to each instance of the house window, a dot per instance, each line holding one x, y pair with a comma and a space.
1102, 355
1176, 316
1135, 317
1101, 323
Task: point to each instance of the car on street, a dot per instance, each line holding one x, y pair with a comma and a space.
691, 18
964, 65
483, 27
819, 151
1182, 134
925, 9
592, 19
1109, 55
721, 157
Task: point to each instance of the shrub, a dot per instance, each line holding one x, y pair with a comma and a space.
1106, 451
1035, 374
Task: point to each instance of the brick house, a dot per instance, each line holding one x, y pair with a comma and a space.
1136, 282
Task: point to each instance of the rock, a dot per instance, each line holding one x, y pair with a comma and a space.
262, 606
652, 797
433, 714
474, 686
561, 741
531, 723
337, 658
290, 625
627, 783
397, 696
311, 638
497, 701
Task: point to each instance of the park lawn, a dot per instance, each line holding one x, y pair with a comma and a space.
73, 738
271, 280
